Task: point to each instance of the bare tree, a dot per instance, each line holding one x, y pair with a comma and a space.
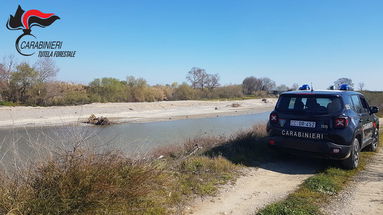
267, 84
197, 77
361, 86
341, 81
7, 66
295, 86
46, 69
212, 81
251, 85
282, 88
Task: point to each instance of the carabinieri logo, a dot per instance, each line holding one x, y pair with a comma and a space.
25, 20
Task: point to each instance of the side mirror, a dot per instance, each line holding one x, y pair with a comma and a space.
374, 109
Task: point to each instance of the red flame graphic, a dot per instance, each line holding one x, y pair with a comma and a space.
36, 13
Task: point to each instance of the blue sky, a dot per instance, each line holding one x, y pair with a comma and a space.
290, 41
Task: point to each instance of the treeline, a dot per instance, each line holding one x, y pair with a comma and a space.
26, 84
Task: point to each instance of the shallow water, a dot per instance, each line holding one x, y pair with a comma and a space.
20, 145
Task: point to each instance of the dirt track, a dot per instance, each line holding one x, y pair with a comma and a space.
364, 195
258, 187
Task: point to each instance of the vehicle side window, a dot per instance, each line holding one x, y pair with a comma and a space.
357, 105
291, 104
365, 105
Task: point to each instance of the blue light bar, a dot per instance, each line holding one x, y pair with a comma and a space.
345, 87
305, 87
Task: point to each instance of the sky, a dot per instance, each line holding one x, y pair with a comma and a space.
289, 41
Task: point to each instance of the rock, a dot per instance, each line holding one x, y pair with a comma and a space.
235, 105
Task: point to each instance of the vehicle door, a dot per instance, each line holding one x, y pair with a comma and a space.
364, 117
368, 126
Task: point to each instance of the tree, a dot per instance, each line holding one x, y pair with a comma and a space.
3, 82
6, 69
46, 69
197, 78
21, 83
251, 85
184, 92
295, 86
212, 81
282, 88
361, 86
107, 90
341, 81
137, 88
267, 84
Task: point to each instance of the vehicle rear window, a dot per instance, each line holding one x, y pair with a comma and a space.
313, 104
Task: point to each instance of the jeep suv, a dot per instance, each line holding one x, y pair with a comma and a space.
327, 124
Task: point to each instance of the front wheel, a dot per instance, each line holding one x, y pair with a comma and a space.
374, 145
352, 162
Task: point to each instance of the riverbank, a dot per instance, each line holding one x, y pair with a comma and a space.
129, 112
164, 182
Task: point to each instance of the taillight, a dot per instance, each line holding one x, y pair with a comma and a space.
341, 122
273, 117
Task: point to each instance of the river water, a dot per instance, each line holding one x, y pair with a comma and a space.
22, 145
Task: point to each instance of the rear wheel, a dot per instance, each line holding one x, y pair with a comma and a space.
374, 145
352, 162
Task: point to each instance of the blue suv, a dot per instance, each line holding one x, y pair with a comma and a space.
334, 124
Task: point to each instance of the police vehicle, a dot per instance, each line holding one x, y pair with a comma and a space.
333, 124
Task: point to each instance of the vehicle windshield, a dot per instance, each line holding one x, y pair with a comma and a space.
312, 104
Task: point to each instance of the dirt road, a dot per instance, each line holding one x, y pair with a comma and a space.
364, 195
259, 187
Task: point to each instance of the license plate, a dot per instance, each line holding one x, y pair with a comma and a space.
305, 124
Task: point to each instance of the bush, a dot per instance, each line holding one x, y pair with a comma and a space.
375, 99
88, 183
184, 92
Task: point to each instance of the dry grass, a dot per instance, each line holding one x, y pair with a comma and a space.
84, 182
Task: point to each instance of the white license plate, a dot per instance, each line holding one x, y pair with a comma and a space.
305, 124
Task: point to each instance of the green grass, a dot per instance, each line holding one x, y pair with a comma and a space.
316, 190
5, 103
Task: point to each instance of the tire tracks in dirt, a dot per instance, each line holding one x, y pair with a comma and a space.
260, 186
364, 195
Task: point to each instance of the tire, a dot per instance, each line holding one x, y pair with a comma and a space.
374, 145
352, 162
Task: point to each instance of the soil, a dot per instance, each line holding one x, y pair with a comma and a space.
258, 187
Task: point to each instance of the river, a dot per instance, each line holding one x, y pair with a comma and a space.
19, 146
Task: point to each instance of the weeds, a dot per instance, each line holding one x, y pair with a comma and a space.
84, 182
317, 189
245, 147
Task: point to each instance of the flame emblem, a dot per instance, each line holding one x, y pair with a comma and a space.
26, 20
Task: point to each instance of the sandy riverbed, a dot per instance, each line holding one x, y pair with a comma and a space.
129, 112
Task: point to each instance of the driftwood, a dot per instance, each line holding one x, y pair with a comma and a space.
98, 120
